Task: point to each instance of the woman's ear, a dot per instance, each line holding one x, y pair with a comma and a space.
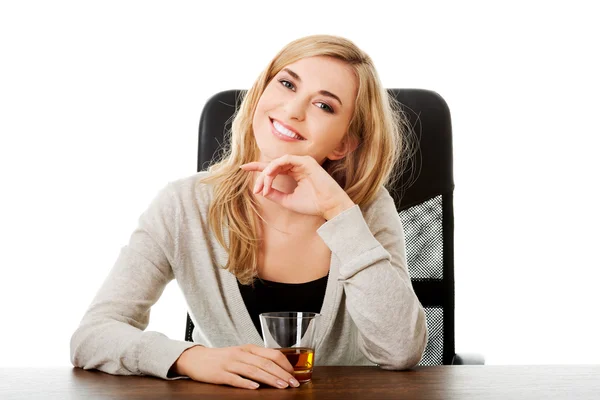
346, 146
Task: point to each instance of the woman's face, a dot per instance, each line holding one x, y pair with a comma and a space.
313, 98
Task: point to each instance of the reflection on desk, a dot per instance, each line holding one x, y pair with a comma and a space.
439, 382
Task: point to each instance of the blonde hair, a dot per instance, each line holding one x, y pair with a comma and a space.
377, 125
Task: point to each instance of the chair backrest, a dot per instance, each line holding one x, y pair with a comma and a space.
424, 199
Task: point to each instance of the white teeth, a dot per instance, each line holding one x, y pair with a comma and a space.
284, 131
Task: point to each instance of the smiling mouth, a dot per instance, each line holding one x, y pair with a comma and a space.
284, 131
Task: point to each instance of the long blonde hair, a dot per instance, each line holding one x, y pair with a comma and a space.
377, 125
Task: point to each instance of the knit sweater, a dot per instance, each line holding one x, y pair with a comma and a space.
370, 313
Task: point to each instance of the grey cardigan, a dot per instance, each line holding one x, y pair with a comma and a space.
370, 313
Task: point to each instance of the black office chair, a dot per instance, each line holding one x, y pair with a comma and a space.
423, 198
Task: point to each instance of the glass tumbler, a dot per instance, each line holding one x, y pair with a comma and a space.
292, 333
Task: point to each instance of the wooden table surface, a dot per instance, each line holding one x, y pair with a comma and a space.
439, 382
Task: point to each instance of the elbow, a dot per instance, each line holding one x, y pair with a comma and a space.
403, 357
76, 348
414, 351
83, 347
106, 345
88, 352
403, 362
408, 353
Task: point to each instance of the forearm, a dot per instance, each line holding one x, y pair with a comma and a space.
389, 317
379, 295
111, 335
118, 348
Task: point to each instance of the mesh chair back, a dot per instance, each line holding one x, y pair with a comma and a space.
423, 198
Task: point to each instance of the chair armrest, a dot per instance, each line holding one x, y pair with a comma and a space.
468, 359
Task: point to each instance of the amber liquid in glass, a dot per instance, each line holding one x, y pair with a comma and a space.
301, 359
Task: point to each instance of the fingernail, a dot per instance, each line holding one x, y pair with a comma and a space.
254, 385
281, 384
294, 382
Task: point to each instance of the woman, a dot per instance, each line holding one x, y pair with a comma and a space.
295, 217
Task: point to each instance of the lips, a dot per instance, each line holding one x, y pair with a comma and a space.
279, 134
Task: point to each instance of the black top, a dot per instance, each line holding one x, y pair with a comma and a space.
268, 296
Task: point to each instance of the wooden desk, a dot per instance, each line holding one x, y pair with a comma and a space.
443, 382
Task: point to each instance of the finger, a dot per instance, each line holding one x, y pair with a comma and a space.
256, 373
271, 172
254, 166
272, 354
258, 185
278, 197
267, 182
237, 381
281, 166
269, 366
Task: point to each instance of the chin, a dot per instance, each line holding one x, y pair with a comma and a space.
271, 148
272, 154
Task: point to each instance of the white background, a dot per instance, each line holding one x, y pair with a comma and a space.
99, 109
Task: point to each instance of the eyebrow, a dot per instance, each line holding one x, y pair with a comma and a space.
322, 92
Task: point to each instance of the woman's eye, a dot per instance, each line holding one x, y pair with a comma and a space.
326, 108
286, 83
291, 86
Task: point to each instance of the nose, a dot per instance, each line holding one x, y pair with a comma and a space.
295, 108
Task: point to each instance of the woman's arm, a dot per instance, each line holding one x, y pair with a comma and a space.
379, 293
111, 335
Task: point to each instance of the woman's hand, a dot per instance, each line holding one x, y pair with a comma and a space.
317, 192
233, 365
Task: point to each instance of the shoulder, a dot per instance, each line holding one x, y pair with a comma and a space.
382, 201
381, 212
192, 185
189, 191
